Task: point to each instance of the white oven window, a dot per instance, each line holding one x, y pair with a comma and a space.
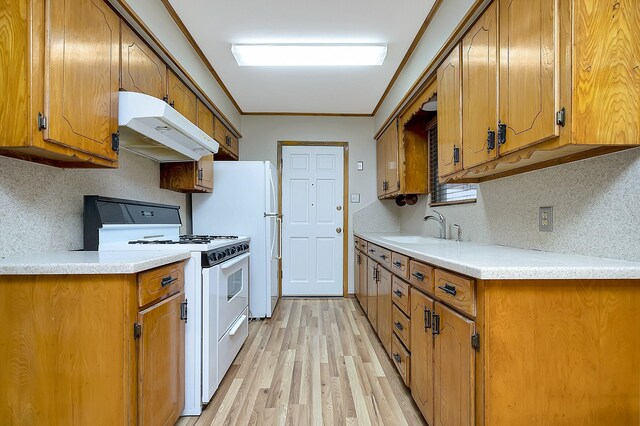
234, 284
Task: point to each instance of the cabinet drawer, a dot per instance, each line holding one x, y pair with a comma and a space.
421, 276
381, 255
401, 296
401, 358
156, 284
400, 265
356, 242
402, 326
362, 245
456, 290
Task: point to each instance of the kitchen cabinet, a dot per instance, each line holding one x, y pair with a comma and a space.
372, 293
384, 315
47, 44
181, 97
479, 90
387, 162
360, 268
422, 308
454, 368
141, 69
449, 114
229, 149
93, 349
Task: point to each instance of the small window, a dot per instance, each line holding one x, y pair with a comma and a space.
446, 193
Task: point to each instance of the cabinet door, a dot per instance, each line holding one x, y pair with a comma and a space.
454, 360
392, 171
528, 71
205, 119
82, 62
182, 98
233, 143
141, 69
422, 353
384, 308
449, 115
205, 172
381, 162
479, 90
356, 275
161, 363
364, 293
372, 293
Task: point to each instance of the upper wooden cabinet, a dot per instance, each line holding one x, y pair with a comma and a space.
388, 182
479, 94
229, 149
60, 94
182, 98
141, 69
544, 77
449, 115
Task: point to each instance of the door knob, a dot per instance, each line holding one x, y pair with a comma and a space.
338, 230
339, 208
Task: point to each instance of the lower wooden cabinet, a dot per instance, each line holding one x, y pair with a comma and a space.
79, 349
360, 281
422, 349
384, 308
372, 293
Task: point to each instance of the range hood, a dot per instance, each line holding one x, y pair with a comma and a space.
151, 128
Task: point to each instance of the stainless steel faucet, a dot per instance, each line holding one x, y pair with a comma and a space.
441, 221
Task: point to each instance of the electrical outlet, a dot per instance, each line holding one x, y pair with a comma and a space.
360, 166
545, 219
355, 197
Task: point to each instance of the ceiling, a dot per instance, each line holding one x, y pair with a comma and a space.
215, 25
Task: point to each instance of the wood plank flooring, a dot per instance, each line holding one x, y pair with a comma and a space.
317, 361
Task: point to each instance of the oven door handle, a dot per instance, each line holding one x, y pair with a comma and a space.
234, 329
234, 261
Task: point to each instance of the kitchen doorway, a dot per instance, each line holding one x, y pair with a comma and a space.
313, 203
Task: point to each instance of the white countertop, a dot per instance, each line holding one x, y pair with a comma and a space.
88, 262
493, 262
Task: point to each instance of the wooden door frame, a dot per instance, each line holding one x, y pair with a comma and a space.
345, 206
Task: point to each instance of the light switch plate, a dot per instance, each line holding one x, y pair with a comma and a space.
355, 197
545, 219
360, 166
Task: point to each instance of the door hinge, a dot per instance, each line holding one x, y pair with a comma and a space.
115, 141
561, 117
137, 331
398, 184
42, 121
200, 172
502, 133
166, 98
184, 311
456, 155
475, 342
491, 140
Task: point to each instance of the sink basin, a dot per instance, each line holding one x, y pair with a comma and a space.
409, 239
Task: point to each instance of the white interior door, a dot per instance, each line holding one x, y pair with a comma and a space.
312, 232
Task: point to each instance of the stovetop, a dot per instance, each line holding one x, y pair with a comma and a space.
189, 239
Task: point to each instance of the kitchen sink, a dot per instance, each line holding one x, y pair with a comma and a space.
409, 239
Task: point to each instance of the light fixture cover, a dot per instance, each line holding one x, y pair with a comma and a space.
297, 55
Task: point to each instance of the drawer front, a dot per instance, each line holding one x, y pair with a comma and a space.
402, 326
400, 265
372, 251
456, 290
356, 242
421, 276
362, 245
159, 283
401, 295
401, 358
383, 256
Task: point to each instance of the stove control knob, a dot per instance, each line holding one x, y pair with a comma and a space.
227, 251
212, 257
221, 255
233, 250
245, 246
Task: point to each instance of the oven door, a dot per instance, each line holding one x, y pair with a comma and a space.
233, 291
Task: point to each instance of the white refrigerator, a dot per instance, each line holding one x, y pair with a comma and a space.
244, 202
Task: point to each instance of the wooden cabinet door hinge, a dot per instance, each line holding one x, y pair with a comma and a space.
184, 311
475, 342
42, 121
115, 141
137, 330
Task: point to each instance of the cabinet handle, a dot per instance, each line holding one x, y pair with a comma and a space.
200, 172
172, 104
383, 256
456, 155
168, 281
418, 275
397, 358
358, 259
436, 324
166, 98
397, 293
397, 264
372, 250
398, 325
502, 133
491, 140
184, 311
228, 140
449, 289
427, 319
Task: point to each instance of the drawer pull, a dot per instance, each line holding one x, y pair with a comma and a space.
397, 293
397, 358
372, 250
449, 289
427, 318
436, 324
398, 325
397, 264
418, 275
168, 281
383, 256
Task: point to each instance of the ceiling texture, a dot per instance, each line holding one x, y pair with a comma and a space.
215, 25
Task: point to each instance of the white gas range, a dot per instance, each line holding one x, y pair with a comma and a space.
216, 283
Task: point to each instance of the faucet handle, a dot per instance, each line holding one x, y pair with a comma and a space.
458, 229
439, 214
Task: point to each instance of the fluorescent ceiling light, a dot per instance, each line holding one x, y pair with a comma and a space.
304, 55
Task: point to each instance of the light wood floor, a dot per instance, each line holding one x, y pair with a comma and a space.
317, 361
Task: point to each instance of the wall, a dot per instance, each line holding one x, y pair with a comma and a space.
42, 205
596, 209
261, 134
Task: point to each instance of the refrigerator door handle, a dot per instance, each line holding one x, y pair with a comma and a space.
271, 215
279, 220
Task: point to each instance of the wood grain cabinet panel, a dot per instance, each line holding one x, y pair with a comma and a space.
381, 164
401, 295
422, 310
400, 265
362, 282
384, 308
402, 359
182, 98
421, 276
372, 293
402, 327
479, 90
392, 166
449, 115
141, 69
357, 260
